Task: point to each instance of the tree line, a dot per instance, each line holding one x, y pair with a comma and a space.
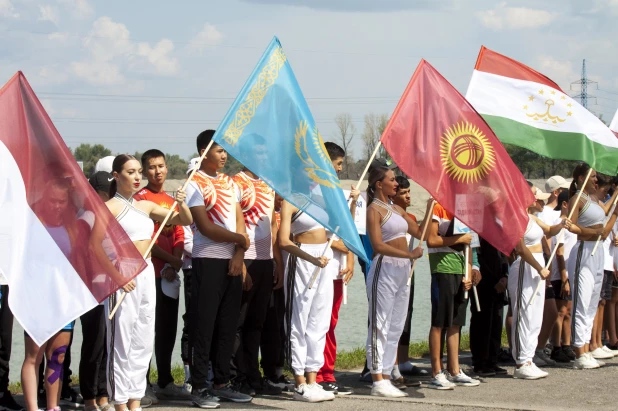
530, 164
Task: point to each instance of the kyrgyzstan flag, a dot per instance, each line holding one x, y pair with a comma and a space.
442, 143
61, 250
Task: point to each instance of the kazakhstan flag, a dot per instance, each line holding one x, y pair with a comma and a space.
271, 131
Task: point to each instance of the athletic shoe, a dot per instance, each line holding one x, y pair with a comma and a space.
384, 388
462, 379
244, 388
568, 350
441, 382
484, 371
343, 390
187, 387
228, 393
277, 385
145, 402
609, 350
528, 372
203, 399
70, 397
499, 370
402, 383
306, 393
7, 402
585, 362
329, 387
366, 377
601, 354
171, 392
108, 407
559, 355
264, 388
541, 359
150, 394
540, 371
407, 368
326, 395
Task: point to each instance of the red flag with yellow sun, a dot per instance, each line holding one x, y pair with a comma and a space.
442, 143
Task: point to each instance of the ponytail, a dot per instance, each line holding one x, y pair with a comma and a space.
113, 187
572, 189
371, 193
580, 170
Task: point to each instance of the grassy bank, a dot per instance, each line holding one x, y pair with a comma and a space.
346, 360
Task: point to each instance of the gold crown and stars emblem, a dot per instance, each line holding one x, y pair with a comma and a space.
549, 106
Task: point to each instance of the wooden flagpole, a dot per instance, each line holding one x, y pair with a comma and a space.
162, 225
425, 226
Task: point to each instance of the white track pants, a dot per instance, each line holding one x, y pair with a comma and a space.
527, 319
388, 295
130, 338
308, 311
586, 278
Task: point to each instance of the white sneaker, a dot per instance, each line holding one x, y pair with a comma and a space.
585, 362
601, 354
384, 388
540, 371
441, 382
325, 395
528, 372
306, 393
462, 379
609, 350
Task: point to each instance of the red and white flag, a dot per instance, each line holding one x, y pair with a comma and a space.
61, 250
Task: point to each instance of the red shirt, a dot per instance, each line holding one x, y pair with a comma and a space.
172, 236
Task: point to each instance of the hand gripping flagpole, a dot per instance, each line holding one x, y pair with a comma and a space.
467, 275
553, 253
611, 210
425, 225
162, 225
330, 242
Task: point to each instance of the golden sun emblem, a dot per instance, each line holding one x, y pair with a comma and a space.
321, 174
467, 154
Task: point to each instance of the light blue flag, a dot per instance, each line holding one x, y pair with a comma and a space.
271, 131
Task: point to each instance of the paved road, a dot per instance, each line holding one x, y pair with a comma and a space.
564, 389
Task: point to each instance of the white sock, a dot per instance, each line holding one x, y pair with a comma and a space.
395, 373
378, 383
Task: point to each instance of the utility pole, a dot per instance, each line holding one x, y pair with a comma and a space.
584, 82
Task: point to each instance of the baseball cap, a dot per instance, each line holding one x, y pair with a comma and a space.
555, 182
101, 181
382, 162
540, 195
104, 164
192, 164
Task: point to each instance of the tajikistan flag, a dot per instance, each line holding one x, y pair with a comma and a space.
527, 109
614, 124
61, 250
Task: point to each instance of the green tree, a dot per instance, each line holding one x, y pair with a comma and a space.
90, 154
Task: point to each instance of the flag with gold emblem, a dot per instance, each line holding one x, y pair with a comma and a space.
442, 143
527, 109
271, 131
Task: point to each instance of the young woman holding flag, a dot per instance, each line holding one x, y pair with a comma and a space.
585, 270
388, 291
524, 275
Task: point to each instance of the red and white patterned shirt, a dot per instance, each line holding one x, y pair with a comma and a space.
219, 195
257, 201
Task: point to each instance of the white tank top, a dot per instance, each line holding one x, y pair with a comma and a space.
135, 222
303, 222
393, 224
591, 213
534, 233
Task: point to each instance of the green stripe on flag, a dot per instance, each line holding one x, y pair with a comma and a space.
557, 145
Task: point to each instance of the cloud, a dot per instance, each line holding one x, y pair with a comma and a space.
52, 74
510, 18
358, 5
58, 36
79, 9
7, 9
208, 37
112, 51
49, 13
562, 72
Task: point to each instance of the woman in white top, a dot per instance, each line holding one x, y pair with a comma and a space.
130, 333
585, 270
524, 275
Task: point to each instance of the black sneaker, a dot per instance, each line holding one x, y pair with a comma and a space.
203, 399
499, 370
265, 387
7, 402
245, 388
343, 390
484, 371
569, 352
228, 393
559, 355
71, 398
329, 387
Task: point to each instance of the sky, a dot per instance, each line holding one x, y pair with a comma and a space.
134, 75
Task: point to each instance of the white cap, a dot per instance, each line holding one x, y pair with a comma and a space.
192, 164
556, 182
540, 195
104, 164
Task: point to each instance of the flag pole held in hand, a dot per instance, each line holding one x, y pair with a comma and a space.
162, 225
